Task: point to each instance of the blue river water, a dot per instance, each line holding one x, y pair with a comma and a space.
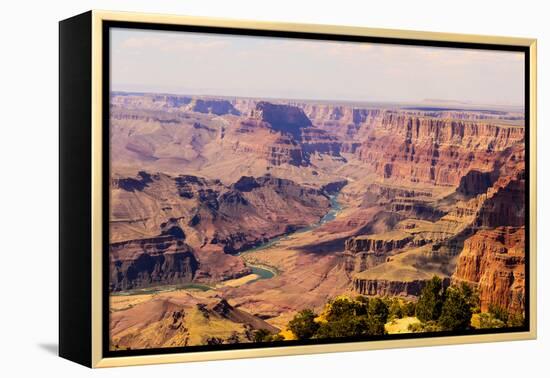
262, 272
335, 208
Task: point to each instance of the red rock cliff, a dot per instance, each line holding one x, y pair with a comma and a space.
494, 261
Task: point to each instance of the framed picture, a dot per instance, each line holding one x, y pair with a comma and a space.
235, 189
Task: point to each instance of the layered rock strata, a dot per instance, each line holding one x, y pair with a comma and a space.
493, 260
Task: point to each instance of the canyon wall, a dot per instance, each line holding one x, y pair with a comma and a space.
493, 260
425, 189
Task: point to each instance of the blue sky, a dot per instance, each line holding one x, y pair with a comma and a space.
210, 64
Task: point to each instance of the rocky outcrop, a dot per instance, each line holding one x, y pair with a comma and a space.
417, 149
475, 182
178, 319
505, 205
366, 251
164, 260
415, 209
494, 261
216, 216
378, 243
286, 119
334, 187
226, 311
440, 176
276, 148
378, 193
391, 288
298, 137
217, 107
131, 184
315, 140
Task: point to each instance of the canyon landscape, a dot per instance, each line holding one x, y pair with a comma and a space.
246, 220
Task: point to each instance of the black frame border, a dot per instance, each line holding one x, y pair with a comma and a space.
105, 117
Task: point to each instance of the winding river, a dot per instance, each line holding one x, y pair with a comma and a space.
263, 272
267, 272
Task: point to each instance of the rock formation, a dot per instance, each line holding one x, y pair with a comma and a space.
401, 288
383, 197
493, 260
164, 260
169, 230
366, 251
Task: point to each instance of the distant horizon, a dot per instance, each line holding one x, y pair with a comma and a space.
286, 68
425, 102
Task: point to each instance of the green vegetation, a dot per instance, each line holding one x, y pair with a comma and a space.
430, 326
409, 309
455, 308
451, 309
303, 326
263, 335
456, 313
488, 320
346, 317
508, 319
430, 302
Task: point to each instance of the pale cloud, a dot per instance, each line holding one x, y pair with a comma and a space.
227, 65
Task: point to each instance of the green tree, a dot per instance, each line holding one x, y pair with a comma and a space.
515, 319
430, 326
346, 327
378, 308
362, 299
345, 318
488, 320
409, 308
395, 309
430, 301
498, 312
262, 335
456, 312
276, 337
471, 296
375, 325
303, 326
345, 308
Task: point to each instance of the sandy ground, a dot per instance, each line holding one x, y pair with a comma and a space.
400, 325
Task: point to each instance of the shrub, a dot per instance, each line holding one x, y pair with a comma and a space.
516, 320
430, 326
409, 308
471, 296
303, 326
345, 327
488, 320
510, 319
345, 308
276, 337
456, 312
261, 335
395, 309
430, 301
375, 325
379, 309
499, 312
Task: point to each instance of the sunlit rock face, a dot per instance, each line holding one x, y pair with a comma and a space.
273, 206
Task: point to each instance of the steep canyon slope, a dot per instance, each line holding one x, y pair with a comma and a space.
369, 199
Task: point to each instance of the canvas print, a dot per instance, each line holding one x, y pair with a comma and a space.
278, 191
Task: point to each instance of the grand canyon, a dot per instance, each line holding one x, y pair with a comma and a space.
229, 216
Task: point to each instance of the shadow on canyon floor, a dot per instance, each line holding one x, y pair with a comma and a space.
327, 247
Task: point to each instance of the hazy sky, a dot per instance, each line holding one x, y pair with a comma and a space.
194, 63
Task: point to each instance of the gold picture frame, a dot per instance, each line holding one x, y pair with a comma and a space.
78, 274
